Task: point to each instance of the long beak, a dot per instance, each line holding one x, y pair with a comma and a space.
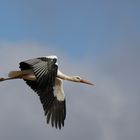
86, 82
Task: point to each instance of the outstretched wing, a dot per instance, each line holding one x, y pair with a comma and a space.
45, 70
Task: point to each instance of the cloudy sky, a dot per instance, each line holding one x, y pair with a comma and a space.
96, 39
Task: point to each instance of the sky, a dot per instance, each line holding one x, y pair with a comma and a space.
95, 39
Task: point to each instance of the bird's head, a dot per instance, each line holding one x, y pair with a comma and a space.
80, 80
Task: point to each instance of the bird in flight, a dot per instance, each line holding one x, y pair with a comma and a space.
43, 76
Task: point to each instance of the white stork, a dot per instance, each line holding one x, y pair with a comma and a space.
43, 76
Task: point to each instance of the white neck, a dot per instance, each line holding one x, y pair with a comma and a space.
64, 77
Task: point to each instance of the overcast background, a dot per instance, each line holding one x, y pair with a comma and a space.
96, 39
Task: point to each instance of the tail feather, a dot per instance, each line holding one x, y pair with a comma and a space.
13, 74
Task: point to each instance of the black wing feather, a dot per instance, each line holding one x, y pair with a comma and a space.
45, 71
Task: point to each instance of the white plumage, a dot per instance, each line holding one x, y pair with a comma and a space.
58, 90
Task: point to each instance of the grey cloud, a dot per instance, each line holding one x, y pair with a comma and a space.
108, 111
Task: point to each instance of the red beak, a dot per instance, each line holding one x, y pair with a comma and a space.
86, 82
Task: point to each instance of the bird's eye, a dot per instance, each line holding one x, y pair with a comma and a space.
78, 78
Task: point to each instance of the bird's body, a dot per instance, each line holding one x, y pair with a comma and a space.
43, 76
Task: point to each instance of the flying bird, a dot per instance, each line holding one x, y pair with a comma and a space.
44, 77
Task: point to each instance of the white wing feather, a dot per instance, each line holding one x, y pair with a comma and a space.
58, 90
